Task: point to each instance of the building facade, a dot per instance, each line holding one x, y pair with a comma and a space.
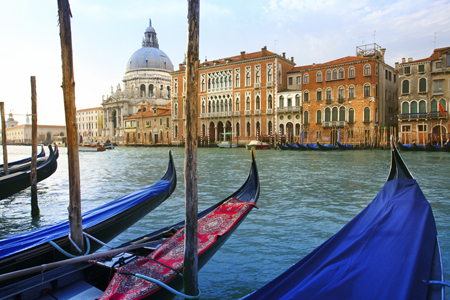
150, 126
424, 87
89, 124
348, 100
147, 80
21, 134
236, 95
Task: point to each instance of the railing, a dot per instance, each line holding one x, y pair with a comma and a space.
257, 111
334, 124
247, 112
328, 101
341, 99
269, 111
438, 92
269, 84
257, 85
237, 113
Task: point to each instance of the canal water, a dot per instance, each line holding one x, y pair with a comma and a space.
306, 197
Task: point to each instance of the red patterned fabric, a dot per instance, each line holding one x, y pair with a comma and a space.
171, 253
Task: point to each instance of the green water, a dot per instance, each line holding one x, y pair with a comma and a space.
306, 197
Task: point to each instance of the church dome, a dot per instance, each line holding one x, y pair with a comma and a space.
149, 57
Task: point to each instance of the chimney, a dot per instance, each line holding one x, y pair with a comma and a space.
242, 55
396, 65
264, 51
292, 59
383, 50
403, 60
181, 67
410, 59
284, 54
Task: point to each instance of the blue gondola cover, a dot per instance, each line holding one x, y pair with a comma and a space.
385, 252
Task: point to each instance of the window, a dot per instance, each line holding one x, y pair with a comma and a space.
319, 117
269, 73
328, 75
376, 70
334, 114
297, 100
269, 102
341, 93
257, 76
367, 70
448, 60
248, 104
319, 77
422, 107
334, 74
306, 117
405, 107
406, 128
290, 80
258, 103
249, 133
421, 68
327, 114
351, 92
289, 101
238, 106
342, 113
367, 90
160, 122
281, 102
306, 96
328, 94
319, 95
407, 70
298, 80
167, 122
422, 85
438, 64
351, 72
422, 128
237, 79
306, 78
405, 87
247, 78
414, 108
351, 115
437, 86
366, 114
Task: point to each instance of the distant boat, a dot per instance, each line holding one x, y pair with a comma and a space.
390, 250
226, 144
61, 141
87, 147
108, 145
257, 145
20, 180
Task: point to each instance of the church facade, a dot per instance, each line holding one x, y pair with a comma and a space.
146, 84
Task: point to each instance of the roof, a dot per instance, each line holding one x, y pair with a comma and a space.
149, 113
339, 61
434, 56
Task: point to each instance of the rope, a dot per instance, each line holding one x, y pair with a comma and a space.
67, 253
439, 282
97, 240
164, 286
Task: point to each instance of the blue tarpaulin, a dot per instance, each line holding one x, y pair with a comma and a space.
37, 237
385, 252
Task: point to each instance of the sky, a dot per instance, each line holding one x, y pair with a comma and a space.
105, 33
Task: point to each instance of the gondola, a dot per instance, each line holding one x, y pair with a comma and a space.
433, 148
91, 279
416, 147
103, 223
326, 147
404, 147
301, 147
20, 180
292, 147
24, 160
312, 146
283, 147
388, 251
345, 146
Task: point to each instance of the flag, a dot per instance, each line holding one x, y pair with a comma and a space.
441, 109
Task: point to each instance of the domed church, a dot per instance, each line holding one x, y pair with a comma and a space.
146, 84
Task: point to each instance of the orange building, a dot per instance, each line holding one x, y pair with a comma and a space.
351, 99
150, 126
236, 95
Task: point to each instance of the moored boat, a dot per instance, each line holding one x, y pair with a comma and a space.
282, 147
20, 180
24, 160
345, 146
433, 148
326, 147
388, 251
293, 147
91, 148
103, 223
312, 146
301, 146
416, 147
404, 147
257, 145
159, 255
108, 145
226, 144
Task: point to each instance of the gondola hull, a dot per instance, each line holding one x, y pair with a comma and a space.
345, 147
20, 180
103, 223
405, 147
328, 147
24, 160
302, 147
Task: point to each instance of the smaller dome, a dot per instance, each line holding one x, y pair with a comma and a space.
150, 29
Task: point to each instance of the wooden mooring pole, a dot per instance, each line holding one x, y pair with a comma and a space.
34, 199
190, 157
5, 150
68, 86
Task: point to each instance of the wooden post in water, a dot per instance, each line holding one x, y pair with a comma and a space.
190, 157
33, 178
5, 150
68, 86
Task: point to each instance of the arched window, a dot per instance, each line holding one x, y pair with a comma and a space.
366, 70
221, 105
342, 113
341, 73
341, 93
328, 75
319, 117
319, 95
257, 76
319, 77
306, 96
351, 92
351, 72
226, 81
334, 74
203, 130
209, 83
258, 103
249, 133
414, 108
203, 107
248, 104
328, 94
422, 85
306, 117
423, 107
334, 114
366, 115
213, 106
142, 90
175, 133
217, 105
221, 82
281, 101
238, 106
203, 85
269, 102
247, 79
444, 105
327, 114
306, 78
269, 129
209, 106
289, 101
230, 105
237, 84
269, 75
405, 87
214, 83
176, 110
150, 90
297, 100
405, 107
367, 90
351, 115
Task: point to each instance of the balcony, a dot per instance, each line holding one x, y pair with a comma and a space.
237, 113
329, 101
269, 84
438, 92
329, 124
415, 116
282, 109
269, 111
257, 111
257, 85
248, 112
341, 99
